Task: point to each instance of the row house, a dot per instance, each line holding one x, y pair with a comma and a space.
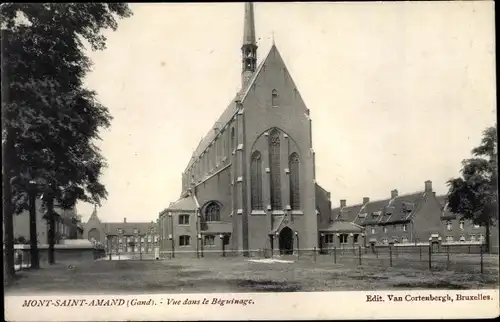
458, 230
406, 219
126, 238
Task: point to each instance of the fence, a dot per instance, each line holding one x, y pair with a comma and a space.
451, 257
445, 257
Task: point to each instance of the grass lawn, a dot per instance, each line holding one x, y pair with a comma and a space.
238, 274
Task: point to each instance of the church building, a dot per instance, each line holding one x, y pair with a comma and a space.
250, 184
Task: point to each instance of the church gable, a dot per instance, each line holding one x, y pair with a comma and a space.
273, 86
273, 101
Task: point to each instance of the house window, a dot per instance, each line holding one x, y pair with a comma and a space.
385, 240
449, 239
294, 164
462, 238
355, 238
212, 212
120, 240
475, 226
385, 229
472, 237
329, 239
149, 238
373, 231
274, 160
150, 249
405, 227
184, 240
209, 240
449, 225
343, 238
462, 224
142, 240
481, 237
274, 99
184, 219
256, 180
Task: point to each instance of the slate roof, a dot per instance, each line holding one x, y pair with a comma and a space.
128, 227
186, 203
446, 214
380, 212
226, 116
343, 226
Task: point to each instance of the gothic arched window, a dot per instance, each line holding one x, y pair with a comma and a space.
256, 181
294, 164
233, 140
274, 162
223, 136
212, 212
274, 99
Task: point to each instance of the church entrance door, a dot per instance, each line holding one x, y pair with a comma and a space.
286, 241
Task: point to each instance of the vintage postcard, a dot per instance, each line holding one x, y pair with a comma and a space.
249, 161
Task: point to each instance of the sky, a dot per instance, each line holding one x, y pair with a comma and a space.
399, 92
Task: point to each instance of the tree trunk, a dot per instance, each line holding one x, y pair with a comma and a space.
51, 233
8, 222
487, 239
35, 263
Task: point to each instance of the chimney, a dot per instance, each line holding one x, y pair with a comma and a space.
394, 193
428, 186
125, 220
342, 203
366, 200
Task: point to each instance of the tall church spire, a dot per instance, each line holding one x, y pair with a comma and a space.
249, 47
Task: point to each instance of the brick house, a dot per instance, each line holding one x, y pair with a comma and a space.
405, 219
128, 238
408, 218
457, 230
67, 225
250, 183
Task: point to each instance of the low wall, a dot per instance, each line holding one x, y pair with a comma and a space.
63, 253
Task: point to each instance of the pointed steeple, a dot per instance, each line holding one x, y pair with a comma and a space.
249, 25
249, 47
93, 216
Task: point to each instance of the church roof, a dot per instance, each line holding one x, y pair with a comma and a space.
186, 203
227, 115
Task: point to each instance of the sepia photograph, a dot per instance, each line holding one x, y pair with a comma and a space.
204, 161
